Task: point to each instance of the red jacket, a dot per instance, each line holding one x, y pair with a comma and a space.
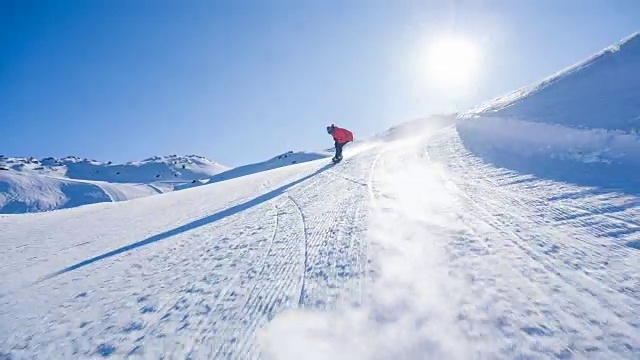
342, 136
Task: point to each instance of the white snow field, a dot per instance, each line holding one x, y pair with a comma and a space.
286, 159
497, 237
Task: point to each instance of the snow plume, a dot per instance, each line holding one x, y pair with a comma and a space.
408, 312
417, 127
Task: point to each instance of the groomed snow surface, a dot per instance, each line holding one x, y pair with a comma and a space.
500, 236
407, 249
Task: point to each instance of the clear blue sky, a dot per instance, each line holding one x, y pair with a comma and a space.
241, 81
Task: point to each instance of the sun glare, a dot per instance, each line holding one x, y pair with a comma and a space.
452, 62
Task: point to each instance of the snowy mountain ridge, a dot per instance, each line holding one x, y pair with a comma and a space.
585, 118
580, 95
33, 185
172, 167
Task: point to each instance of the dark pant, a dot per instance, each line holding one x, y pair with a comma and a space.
339, 150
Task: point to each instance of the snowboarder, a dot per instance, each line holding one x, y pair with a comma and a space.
340, 137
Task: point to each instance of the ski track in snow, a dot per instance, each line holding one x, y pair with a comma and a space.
474, 261
578, 284
410, 249
218, 284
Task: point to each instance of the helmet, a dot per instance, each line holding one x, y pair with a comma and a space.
330, 128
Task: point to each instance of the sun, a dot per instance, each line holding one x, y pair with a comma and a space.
451, 62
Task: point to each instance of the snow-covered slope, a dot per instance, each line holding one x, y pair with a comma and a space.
599, 92
409, 249
414, 247
32, 185
20, 193
352, 148
580, 125
286, 159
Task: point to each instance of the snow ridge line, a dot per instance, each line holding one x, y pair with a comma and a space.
110, 195
155, 188
276, 294
366, 266
354, 180
330, 229
281, 286
271, 288
372, 196
249, 308
306, 251
218, 307
268, 252
275, 286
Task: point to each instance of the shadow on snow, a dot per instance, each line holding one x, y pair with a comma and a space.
611, 179
600, 176
192, 225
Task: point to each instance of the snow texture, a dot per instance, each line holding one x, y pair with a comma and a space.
286, 159
26, 193
510, 237
600, 92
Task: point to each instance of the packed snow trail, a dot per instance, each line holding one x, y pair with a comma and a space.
559, 256
407, 249
474, 261
196, 279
